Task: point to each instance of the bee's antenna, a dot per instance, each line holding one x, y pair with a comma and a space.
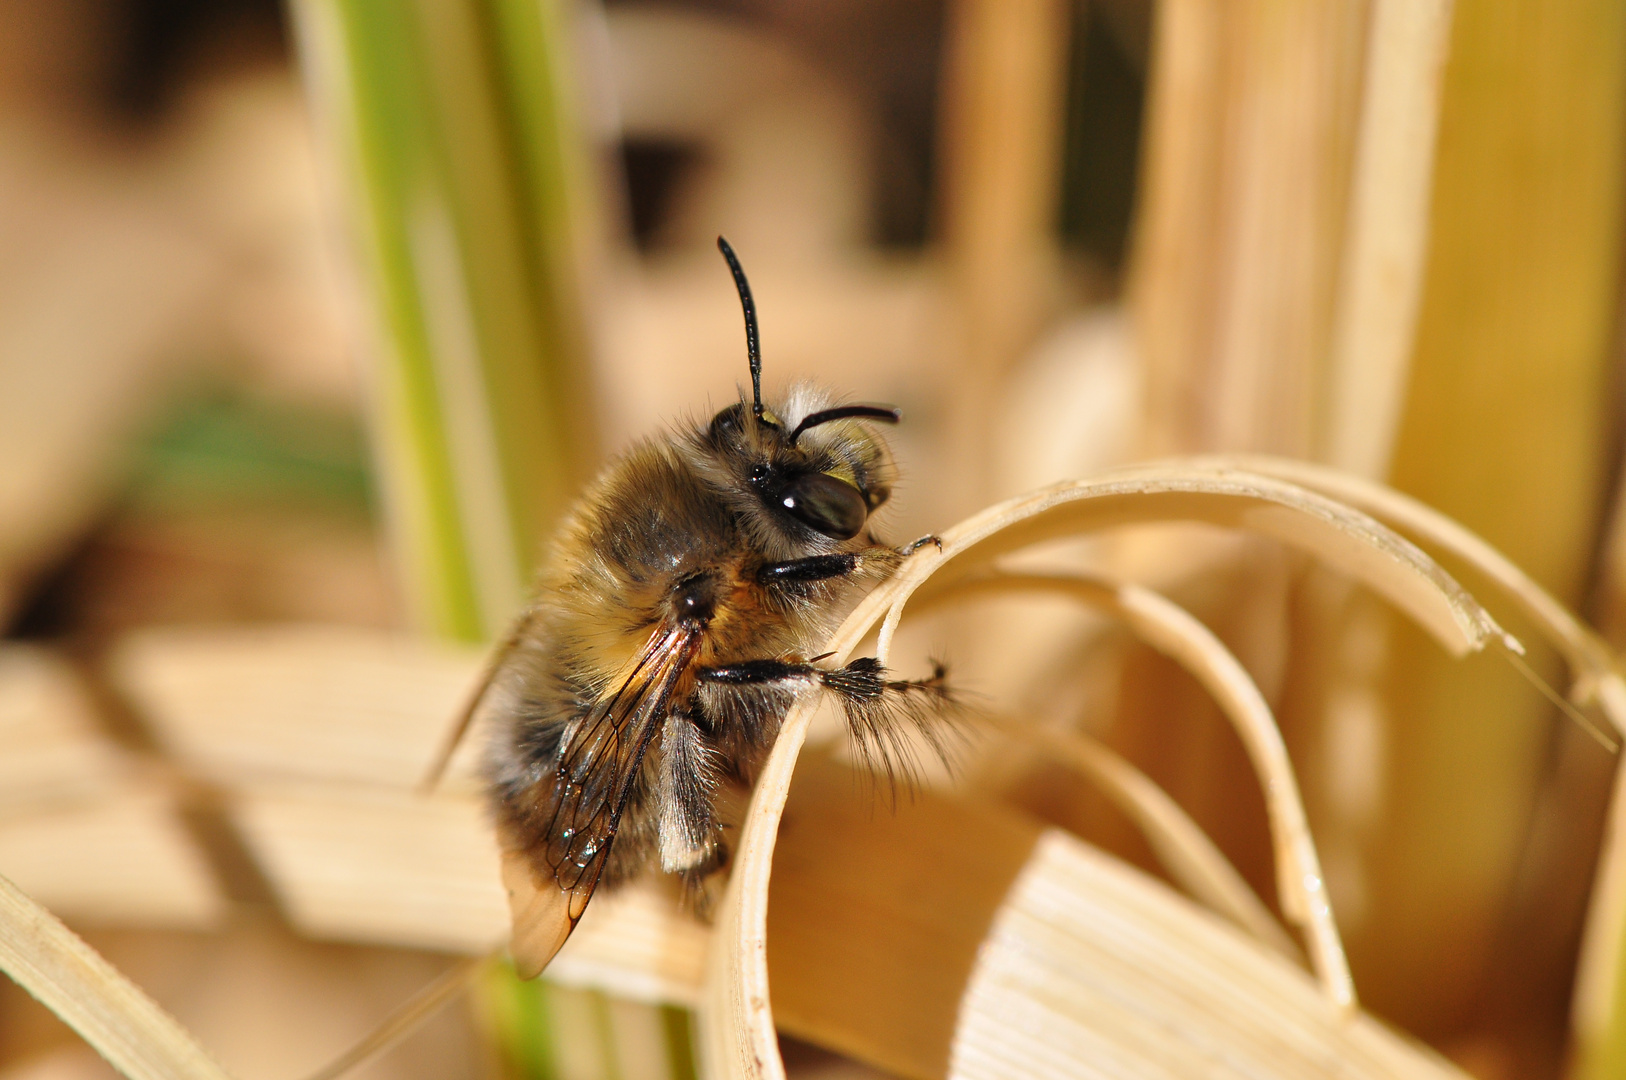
842, 412
753, 347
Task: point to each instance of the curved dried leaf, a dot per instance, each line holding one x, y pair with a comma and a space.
1180, 845
1579, 645
1092, 969
736, 1028
1591, 661
1601, 976
71, 979
1600, 981
1174, 632
1352, 541
1300, 884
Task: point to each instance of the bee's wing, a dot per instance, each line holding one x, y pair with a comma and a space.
597, 768
540, 913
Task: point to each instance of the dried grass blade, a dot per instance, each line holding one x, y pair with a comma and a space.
737, 1037
1173, 631
1091, 969
1589, 659
1353, 541
1600, 981
1302, 888
1183, 848
108, 1011
736, 1028
1380, 279
1180, 845
404, 1021
1600, 977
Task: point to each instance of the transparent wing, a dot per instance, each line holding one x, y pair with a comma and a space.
598, 766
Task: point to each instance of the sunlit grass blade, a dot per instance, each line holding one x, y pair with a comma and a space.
454, 144
71, 979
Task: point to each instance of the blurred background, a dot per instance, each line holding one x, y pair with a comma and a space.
314, 317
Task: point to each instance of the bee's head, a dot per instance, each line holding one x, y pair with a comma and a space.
819, 468
812, 466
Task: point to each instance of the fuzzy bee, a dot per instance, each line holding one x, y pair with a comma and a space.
670, 634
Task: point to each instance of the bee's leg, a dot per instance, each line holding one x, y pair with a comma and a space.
759, 673
915, 545
813, 568
798, 580
877, 560
906, 550
743, 704
690, 842
879, 710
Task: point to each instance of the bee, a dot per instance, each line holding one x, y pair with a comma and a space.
670, 634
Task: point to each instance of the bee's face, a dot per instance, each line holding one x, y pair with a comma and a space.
824, 476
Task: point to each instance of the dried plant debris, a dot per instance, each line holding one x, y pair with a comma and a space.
737, 1017
1099, 927
70, 978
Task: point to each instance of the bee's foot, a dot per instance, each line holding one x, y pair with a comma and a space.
910, 549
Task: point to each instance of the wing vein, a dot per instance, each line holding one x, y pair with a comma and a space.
599, 767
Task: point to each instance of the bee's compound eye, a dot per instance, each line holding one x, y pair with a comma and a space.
726, 425
820, 501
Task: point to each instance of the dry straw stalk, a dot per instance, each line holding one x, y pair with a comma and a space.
71, 979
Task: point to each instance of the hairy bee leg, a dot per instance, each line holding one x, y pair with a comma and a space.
915, 545
686, 788
862, 679
879, 710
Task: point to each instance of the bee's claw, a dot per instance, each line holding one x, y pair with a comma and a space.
910, 549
